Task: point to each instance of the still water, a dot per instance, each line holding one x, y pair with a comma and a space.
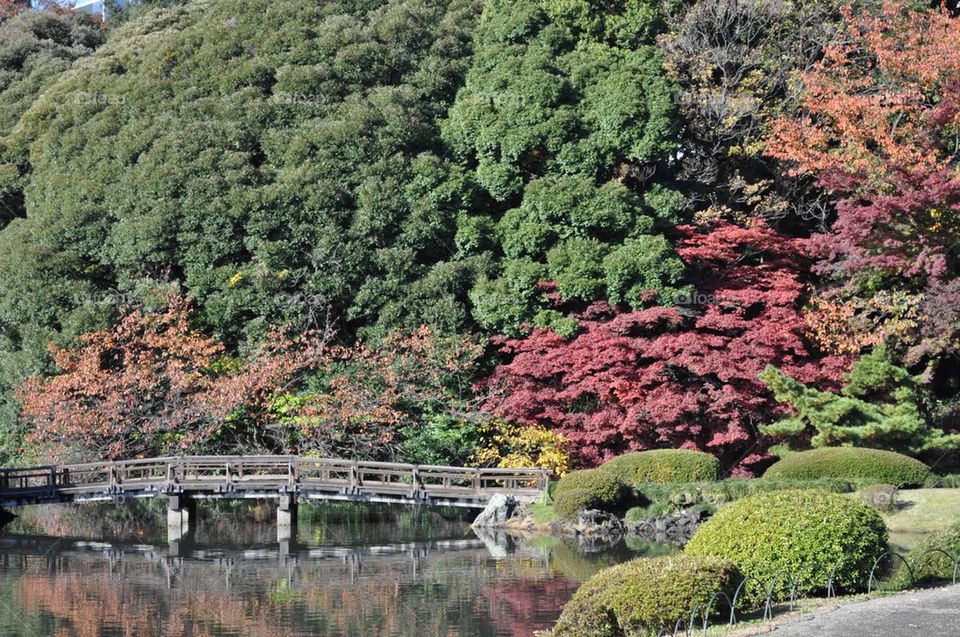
89, 570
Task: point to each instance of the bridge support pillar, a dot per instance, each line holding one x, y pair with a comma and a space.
181, 518
287, 518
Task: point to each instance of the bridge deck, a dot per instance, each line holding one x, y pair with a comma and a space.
267, 476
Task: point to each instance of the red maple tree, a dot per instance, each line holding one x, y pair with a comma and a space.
684, 376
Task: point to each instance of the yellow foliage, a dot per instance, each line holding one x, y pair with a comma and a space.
511, 446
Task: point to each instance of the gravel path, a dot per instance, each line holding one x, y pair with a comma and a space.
932, 613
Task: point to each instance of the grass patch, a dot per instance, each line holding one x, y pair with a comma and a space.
921, 512
543, 513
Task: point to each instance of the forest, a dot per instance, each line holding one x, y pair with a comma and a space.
494, 232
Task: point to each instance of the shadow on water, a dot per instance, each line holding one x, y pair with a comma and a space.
352, 571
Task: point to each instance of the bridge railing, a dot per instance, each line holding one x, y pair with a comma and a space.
268, 472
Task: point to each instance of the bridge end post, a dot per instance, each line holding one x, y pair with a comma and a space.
287, 517
181, 517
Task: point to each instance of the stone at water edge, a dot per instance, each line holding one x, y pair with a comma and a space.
497, 511
594, 522
6, 517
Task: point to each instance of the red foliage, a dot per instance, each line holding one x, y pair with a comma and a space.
10, 8
674, 377
908, 235
879, 127
153, 385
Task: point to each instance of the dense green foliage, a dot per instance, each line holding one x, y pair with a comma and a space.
861, 466
35, 48
561, 99
664, 466
275, 160
933, 559
802, 533
589, 489
643, 596
880, 406
629, 208
670, 497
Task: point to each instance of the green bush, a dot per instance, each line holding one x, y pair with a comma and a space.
862, 466
949, 481
928, 563
659, 509
643, 596
663, 466
669, 497
589, 489
803, 533
603, 483
568, 503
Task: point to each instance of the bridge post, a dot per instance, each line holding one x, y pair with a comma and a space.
181, 516
287, 517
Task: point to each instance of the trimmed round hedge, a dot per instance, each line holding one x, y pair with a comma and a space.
664, 466
571, 501
803, 534
589, 489
860, 465
643, 596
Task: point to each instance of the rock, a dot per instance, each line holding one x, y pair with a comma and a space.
499, 509
676, 528
6, 517
599, 523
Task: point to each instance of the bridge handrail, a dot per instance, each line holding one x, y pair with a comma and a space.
290, 470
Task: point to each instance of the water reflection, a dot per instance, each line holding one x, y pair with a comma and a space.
349, 573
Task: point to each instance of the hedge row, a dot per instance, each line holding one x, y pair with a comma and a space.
663, 466
861, 466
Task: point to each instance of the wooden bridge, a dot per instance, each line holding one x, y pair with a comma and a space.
288, 478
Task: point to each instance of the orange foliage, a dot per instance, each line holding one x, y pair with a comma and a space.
886, 94
11, 8
843, 326
153, 385
366, 394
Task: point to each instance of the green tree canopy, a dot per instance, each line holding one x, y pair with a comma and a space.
564, 104
881, 406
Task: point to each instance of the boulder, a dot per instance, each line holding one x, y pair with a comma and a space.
6, 517
499, 509
599, 523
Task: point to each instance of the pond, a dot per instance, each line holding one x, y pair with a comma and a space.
354, 570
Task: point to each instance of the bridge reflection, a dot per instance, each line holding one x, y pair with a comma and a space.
229, 566
85, 588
